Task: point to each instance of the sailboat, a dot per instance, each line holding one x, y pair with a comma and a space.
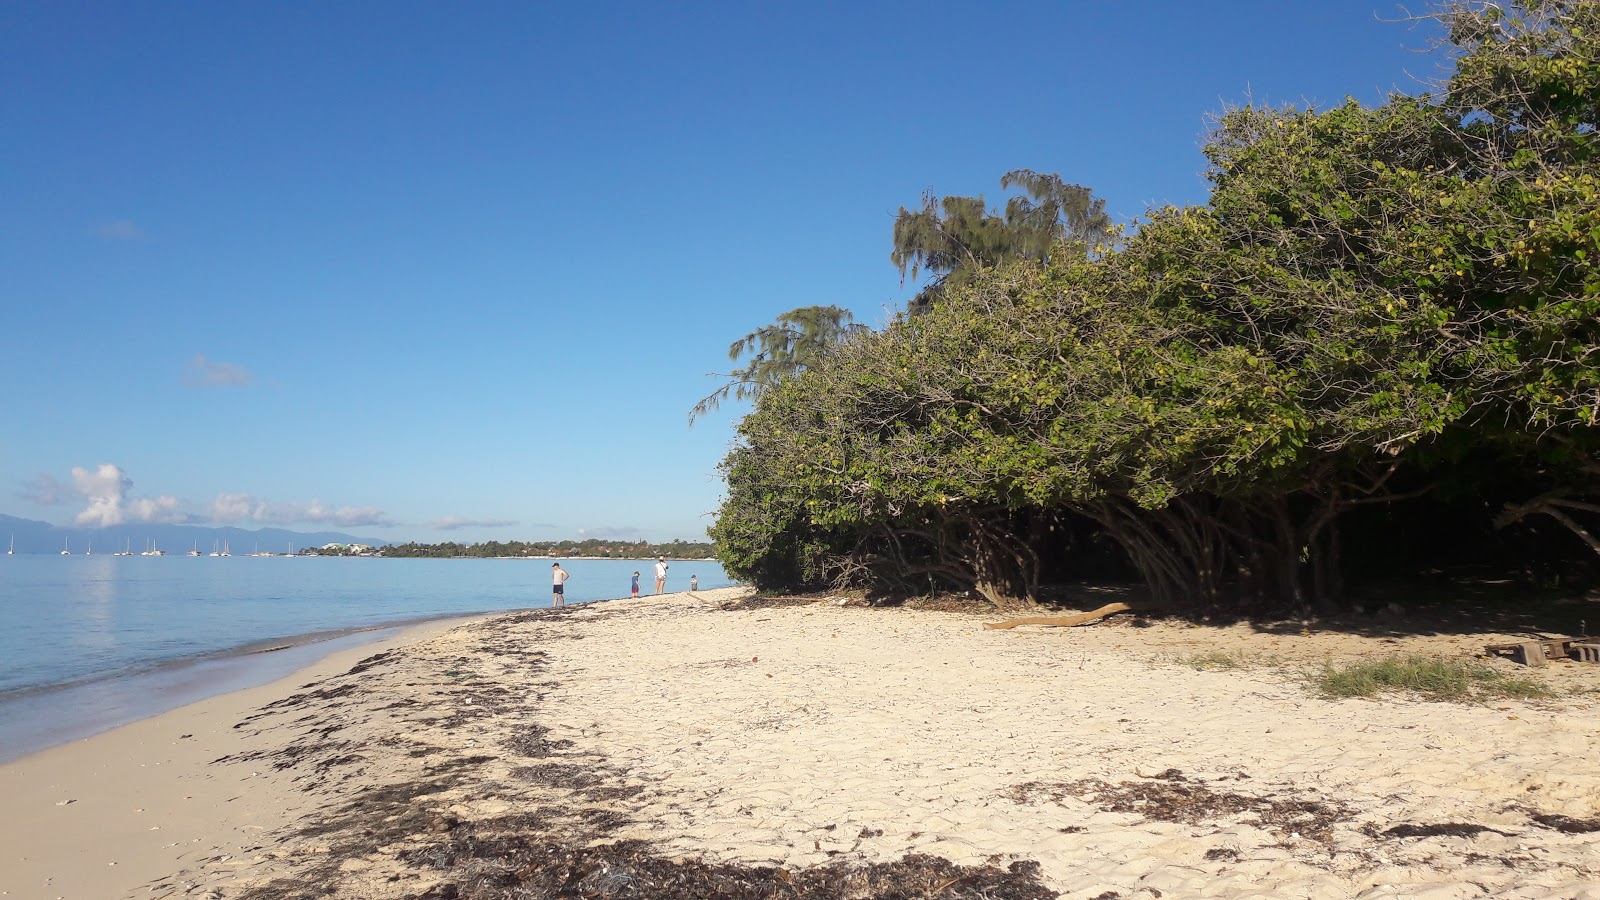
127, 549
64, 550
90, 551
195, 551
214, 551
225, 551
12, 550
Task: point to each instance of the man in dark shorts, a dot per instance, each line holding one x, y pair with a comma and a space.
558, 577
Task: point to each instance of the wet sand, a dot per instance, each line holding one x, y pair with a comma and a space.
695, 746
36, 720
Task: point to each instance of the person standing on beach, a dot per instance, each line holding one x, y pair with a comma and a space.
661, 574
558, 578
636, 584
694, 582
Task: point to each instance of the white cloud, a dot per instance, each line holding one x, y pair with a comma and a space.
106, 487
45, 490
451, 523
204, 372
156, 509
122, 230
245, 507
232, 507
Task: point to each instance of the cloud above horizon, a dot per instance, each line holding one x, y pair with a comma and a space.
106, 492
451, 523
45, 490
245, 507
121, 230
106, 488
202, 372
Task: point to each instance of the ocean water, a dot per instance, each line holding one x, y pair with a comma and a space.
90, 642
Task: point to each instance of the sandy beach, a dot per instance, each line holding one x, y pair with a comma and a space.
701, 745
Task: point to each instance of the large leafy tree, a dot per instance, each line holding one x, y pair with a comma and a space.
1369, 297
953, 238
798, 340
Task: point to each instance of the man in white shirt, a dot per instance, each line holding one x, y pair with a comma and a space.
661, 575
558, 577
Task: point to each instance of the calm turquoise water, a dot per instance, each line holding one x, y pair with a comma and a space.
91, 642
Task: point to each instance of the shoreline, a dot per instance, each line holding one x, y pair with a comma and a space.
39, 716
31, 718
139, 793
702, 743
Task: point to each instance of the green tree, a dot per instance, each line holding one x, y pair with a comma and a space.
1372, 299
798, 340
953, 237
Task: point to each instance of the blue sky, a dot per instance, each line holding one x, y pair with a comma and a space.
458, 271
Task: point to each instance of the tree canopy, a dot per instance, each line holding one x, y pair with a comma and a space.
798, 340
1377, 305
954, 238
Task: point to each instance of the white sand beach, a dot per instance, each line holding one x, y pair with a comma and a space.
476, 761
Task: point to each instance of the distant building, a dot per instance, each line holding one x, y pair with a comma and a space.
347, 549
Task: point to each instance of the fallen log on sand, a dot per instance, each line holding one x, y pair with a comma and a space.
1110, 609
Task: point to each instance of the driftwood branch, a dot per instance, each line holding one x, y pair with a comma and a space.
1110, 609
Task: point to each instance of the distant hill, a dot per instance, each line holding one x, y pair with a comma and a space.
41, 537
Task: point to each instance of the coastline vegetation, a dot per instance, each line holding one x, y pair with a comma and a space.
592, 547
1376, 348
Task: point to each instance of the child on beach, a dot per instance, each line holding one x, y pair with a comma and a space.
694, 582
636, 584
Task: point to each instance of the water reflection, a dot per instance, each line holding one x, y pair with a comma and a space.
92, 589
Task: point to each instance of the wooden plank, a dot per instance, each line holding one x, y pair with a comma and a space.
1110, 609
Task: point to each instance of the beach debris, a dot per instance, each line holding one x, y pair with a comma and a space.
1110, 609
1567, 824
1441, 829
496, 862
534, 741
746, 604
65, 802
1171, 796
571, 846
1539, 652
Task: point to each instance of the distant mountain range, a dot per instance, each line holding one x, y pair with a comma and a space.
41, 537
